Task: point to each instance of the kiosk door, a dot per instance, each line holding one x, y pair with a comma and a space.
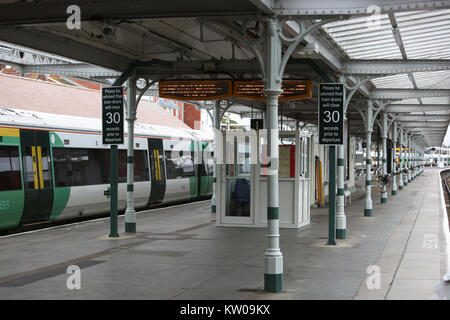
238, 195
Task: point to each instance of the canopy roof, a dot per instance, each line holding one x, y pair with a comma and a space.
406, 55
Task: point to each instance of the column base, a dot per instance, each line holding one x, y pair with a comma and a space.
213, 209
273, 282
367, 212
130, 227
405, 183
394, 192
341, 233
383, 200
400, 187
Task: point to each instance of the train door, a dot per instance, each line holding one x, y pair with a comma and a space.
37, 175
158, 170
205, 170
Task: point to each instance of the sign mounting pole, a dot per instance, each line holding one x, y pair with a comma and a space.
112, 134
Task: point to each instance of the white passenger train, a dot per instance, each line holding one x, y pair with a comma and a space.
54, 167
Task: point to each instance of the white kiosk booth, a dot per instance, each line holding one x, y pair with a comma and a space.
242, 179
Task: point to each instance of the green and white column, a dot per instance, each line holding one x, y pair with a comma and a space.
273, 259
384, 157
216, 126
400, 156
405, 154
369, 123
341, 220
412, 159
416, 148
394, 171
408, 139
130, 213
414, 162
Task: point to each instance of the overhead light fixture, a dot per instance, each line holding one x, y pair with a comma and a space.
109, 33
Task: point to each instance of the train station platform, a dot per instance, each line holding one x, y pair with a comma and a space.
179, 253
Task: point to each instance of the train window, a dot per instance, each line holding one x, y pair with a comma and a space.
45, 161
10, 169
80, 167
141, 170
28, 169
210, 164
202, 169
188, 166
173, 165
140, 166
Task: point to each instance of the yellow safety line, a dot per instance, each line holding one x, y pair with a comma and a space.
33, 154
41, 175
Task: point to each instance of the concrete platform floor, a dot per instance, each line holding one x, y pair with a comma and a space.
179, 253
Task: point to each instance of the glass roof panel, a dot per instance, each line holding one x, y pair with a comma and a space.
360, 40
395, 81
437, 100
406, 101
435, 25
434, 80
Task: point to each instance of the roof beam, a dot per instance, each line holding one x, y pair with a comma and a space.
72, 70
214, 67
405, 108
394, 94
159, 68
422, 117
63, 47
42, 12
426, 124
320, 8
52, 11
385, 67
265, 6
14, 54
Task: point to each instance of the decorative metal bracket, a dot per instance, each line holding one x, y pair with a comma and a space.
361, 112
254, 44
359, 81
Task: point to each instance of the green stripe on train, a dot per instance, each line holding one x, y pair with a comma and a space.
193, 186
60, 194
11, 208
60, 199
10, 141
206, 182
205, 185
11, 202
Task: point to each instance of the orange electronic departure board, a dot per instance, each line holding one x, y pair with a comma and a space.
292, 90
196, 89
